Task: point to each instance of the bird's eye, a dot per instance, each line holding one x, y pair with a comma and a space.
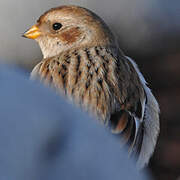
57, 26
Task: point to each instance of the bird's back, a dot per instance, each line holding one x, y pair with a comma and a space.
104, 82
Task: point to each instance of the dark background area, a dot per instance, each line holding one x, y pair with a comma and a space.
162, 72
148, 32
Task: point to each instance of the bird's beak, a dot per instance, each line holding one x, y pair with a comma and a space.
32, 33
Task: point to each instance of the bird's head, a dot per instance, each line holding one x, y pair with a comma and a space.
68, 27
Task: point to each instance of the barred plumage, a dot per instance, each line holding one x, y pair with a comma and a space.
83, 62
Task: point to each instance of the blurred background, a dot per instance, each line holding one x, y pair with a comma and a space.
148, 31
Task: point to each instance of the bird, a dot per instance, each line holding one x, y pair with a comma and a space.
82, 60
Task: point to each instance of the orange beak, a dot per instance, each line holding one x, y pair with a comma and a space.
32, 33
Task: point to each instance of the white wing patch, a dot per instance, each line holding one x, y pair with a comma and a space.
35, 72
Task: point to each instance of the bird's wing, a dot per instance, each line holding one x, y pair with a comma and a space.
128, 118
151, 124
137, 119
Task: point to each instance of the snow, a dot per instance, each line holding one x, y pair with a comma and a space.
44, 137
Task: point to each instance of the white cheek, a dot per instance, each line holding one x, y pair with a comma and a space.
49, 46
53, 46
